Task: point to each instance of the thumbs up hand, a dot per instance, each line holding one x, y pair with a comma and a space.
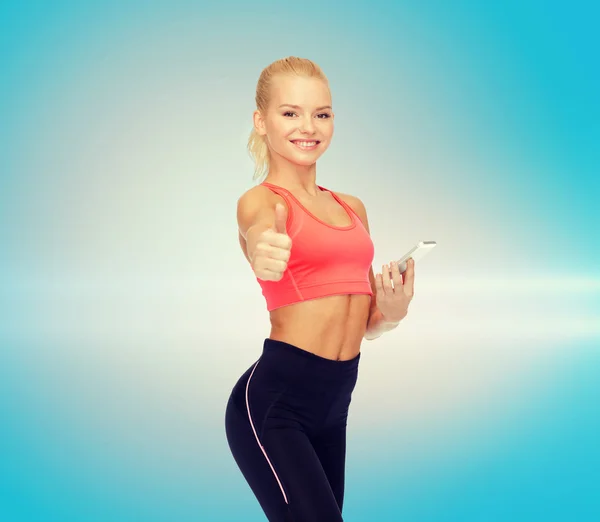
280, 219
271, 253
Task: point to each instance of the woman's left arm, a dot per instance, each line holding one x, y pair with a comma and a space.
389, 305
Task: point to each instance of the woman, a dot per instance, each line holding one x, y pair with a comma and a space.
311, 253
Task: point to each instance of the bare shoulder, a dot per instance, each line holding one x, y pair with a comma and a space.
254, 205
357, 205
254, 197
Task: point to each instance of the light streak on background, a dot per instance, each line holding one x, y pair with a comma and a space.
128, 310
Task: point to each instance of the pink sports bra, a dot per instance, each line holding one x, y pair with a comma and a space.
324, 260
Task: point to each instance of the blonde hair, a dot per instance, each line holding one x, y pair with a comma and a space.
292, 65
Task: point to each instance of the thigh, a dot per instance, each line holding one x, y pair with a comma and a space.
276, 456
252, 463
330, 448
305, 484
278, 416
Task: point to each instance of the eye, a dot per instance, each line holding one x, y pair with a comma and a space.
327, 115
286, 113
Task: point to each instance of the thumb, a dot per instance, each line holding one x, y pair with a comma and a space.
280, 218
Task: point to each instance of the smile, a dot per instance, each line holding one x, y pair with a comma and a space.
306, 145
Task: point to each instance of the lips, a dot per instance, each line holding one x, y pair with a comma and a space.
305, 145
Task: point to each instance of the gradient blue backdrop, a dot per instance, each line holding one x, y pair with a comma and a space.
128, 311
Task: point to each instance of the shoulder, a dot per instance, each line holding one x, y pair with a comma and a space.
255, 202
257, 197
256, 193
353, 201
355, 204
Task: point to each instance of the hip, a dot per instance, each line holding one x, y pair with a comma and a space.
290, 382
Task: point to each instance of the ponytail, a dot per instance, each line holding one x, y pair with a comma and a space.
259, 152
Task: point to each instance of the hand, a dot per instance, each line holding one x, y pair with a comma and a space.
272, 251
393, 302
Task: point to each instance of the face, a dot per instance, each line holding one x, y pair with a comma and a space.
299, 120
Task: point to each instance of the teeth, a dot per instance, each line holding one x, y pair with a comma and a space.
305, 143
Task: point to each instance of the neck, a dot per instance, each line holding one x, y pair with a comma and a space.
295, 178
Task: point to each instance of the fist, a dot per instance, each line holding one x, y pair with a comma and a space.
272, 250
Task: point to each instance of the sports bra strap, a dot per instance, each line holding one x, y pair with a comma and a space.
285, 194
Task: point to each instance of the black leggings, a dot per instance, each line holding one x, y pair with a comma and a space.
286, 427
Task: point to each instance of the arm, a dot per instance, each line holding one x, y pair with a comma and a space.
376, 322
255, 214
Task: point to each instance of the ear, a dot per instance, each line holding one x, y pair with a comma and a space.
259, 123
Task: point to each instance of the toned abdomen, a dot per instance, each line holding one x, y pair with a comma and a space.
332, 327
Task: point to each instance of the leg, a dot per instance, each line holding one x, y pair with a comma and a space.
304, 480
275, 455
330, 447
253, 465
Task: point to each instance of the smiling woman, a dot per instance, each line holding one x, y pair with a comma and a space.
307, 122
311, 252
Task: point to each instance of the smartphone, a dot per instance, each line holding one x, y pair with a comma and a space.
417, 252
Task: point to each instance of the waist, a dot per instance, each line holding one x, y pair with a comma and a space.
332, 327
295, 364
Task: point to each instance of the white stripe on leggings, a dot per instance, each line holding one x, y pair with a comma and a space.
257, 440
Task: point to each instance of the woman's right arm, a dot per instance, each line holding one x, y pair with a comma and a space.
262, 232
255, 214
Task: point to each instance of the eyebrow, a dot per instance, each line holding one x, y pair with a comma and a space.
298, 106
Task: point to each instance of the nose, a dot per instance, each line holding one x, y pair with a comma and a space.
307, 126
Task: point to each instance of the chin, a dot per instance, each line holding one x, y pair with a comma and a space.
305, 162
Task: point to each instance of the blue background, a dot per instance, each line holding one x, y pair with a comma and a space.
128, 311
